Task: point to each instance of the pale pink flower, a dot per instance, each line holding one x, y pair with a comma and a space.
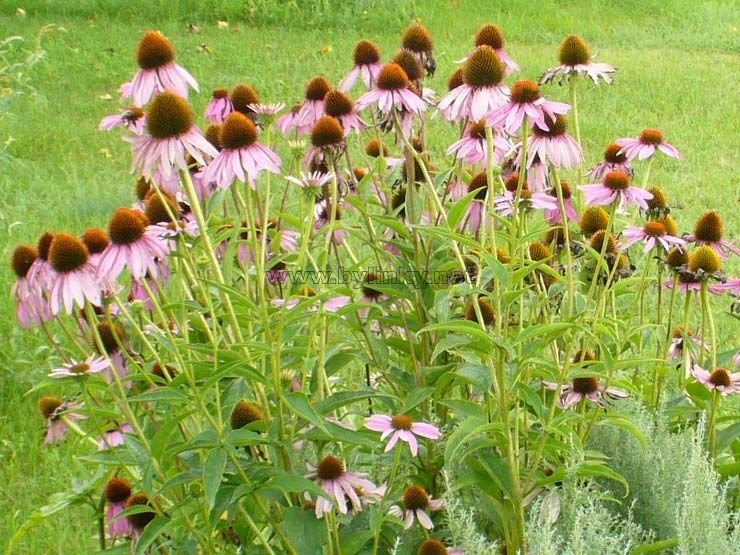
331, 304
73, 369
403, 428
616, 186
504, 204
472, 148
652, 234
731, 285
614, 160
646, 144
584, 388
683, 339
116, 493
493, 36
219, 107
133, 119
159, 72
313, 183
290, 122
340, 106
392, 92
722, 380
31, 306
575, 59
367, 65
56, 427
340, 485
73, 278
709, 230
312, 109
115, 437
416, 502
553, 145
555, 216
526, 101
323, 217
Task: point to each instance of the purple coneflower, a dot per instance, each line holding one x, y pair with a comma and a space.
220, 106
55, 410
473, 147
553, 144
332, 304
526, 101
416, 502
171, 135
290, 122
139, 520
370, 294
403, 428
327, 141
73, 279
576, 59
241, 156
159, 72
493, 36
267, 111
116, 493
133, 245
417, 40
504, 204
340, 106
340, 485
646, 144
477, 213
683, 338
616, 185
584, 388
436, 547
614, 160
722, 380
115, 437
312, 109
367, 65
73, 369
709, 230
31, 307
554, 216
482, 90
133, 119
392, 92
731, 285
652, 233
324, 212
313, 183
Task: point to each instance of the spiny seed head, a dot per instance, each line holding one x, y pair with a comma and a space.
511, 183
238, 131
410, 64
398, 201
555, 236
704, 258
126, 226
612, 155
720, 377
432, 547
213, 135
556, 127
306, 291
593, 219
480, 181
169, 115
585, 385
23, 257
157, 206
484, 68
142, 188
617, 181
330, 468
525, 92
597, 242
401, 422
490, 35
415, 497
47, 405
327, 132
486, 312
502, 255
337, 103
67, 253
317, 88
96, 240
117, 490
680, 331
44, 244
583, 356
671, 227
574, 51
455, 79
538, 251
242, 96
417, 39
366, 53
139, 520
158, 371
154, 51
654, 229
659, 200
220, 92
651, 137
677, 257
108, 334
367, 290
375, 148
708, 228
244, 413
392, 78
477, 130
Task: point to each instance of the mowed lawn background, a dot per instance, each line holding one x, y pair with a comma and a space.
679, 68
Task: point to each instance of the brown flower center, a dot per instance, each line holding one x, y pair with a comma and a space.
479, 183
417, 39
651, 137
617, 181
677, 257
154, 51
708, 228
366, 53
327, 132
47, 405
484, 68
659, 200
367, 290
117, 490
486, 312
574, 51
477, 130
415, 497
220, 92
401, 422
157, 208
126, 226
140, 520
490, 35
213, 135
583, 356
142, 188
337, 103
456, 79
67, 253
244, 413
721, 377
23, 257
330, 468
597, 242
108, 335
432, 547
593, 219
44, 244
169, 116
654, 229
242, 96
410, 64
238, 131
80, 368
392, 78
611, 154
585, 385
538, 251
704, 258
525, 92
375, 148
557, 127
96, 240
317, 88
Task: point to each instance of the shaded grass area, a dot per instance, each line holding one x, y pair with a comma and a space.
679, 64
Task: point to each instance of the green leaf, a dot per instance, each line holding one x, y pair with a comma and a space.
343, 398
416, 398
458, 210
466, 428
655, 547
461, 326
727, 436
621, 421
150, 533
728, 470
449, 342
290, 483
302, 406
213, 470
243, 436
305, 532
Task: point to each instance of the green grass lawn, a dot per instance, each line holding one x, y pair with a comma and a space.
679, 65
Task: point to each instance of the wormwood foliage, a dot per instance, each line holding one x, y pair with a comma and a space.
312, 333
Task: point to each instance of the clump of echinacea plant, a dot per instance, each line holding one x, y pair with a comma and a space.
305, 333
